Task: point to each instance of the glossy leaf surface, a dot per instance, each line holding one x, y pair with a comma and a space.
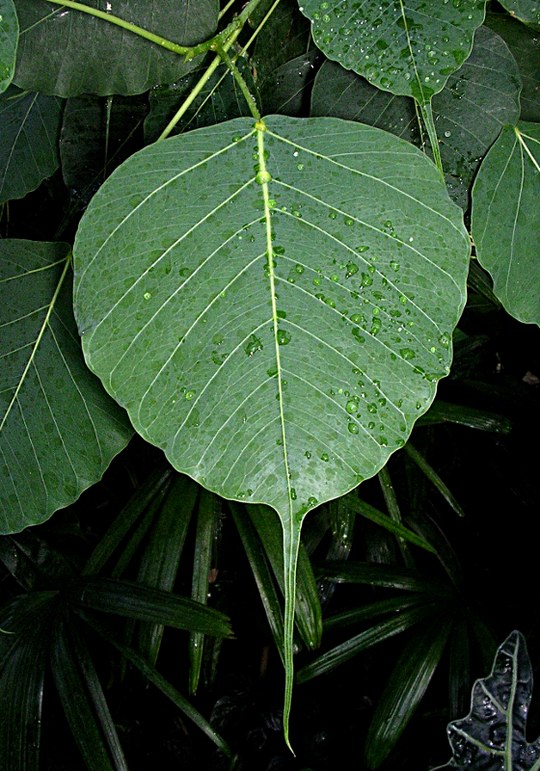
58, 429
28, 141
9, 33
469, 113
67, 52
408, 47
353, 271
524, 10
493, 735
261, 300
506, 219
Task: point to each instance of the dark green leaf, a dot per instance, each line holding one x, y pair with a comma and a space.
66, 52
22, 674
286, 89
405, 689
308, 609
162, 552
524, 45
399, 530
155, 486
143, 603
284, 36
97, 135
408, 48
58, 429
373, 610
163, 685
444, 412
83, 701
434, 478
524, 10
376, 633
219, 100
377, 575
28, 141
506, 219
207, 525
262, 574
9, 34
493, 735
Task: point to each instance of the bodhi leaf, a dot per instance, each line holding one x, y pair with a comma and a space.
273, 305
506, 219
469, 113
67, 52
9, 35
28, 141
58, 429
408, 47
493, 735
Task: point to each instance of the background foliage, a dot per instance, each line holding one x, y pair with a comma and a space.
271, 302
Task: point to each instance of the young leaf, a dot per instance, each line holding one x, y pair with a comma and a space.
493, 735
67, 52
28, 141
58, 429
273, 282
9, 36
506, 219
408, 48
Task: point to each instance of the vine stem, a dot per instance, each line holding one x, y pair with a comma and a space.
188, 51
196, 90
241, 82
427, 116
235, 58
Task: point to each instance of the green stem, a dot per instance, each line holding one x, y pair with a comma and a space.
238, 54
241, 82
144, 33
427, 116
196, 90
188, 51
226, 8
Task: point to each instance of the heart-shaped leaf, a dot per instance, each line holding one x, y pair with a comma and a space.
58, 429
408, 47
9, 35
273, 304
67, 52
506, 219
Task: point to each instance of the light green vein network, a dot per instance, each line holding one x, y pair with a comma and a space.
273, 305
